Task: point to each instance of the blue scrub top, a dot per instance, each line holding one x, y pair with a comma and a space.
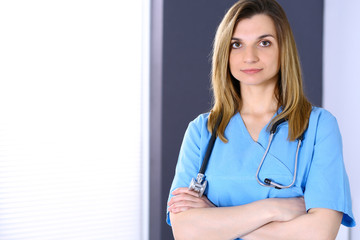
321, 176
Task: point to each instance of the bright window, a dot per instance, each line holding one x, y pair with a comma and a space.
71, 84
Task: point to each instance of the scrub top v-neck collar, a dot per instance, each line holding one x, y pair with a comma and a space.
263, 135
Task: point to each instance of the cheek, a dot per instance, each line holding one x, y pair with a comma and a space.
273, 60
233, 62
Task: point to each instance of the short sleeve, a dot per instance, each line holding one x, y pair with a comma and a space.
189, 159
327, 183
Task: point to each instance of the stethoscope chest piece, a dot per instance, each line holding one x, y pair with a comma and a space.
198, 185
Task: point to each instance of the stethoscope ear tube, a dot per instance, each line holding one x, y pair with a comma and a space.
199, 185
276, 124
210, 146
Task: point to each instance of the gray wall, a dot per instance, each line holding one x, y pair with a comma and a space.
181, 40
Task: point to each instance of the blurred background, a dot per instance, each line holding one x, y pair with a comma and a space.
95, 97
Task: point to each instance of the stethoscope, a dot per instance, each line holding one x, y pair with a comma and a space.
199, 185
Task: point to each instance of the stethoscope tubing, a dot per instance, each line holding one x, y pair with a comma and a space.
268, 182
200, 183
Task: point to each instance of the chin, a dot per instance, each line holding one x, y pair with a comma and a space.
257, 80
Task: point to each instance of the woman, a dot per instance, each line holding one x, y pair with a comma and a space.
257, 81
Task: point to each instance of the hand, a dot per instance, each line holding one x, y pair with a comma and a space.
185, 199
289, 208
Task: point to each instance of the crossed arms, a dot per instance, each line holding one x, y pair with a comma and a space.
274, 218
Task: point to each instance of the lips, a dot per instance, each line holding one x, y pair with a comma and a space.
251, 70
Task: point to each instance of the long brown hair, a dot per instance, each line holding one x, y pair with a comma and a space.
296, 108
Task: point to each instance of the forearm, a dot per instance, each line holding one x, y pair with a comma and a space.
318, 224
222, 222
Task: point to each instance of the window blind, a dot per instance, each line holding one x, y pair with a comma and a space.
70, 120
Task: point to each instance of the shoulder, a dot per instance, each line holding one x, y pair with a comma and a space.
197, 128
321, 118
321, 114
200, 121
322, 123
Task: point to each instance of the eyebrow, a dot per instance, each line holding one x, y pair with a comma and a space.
260, 37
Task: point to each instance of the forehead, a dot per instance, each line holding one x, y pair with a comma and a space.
254, 27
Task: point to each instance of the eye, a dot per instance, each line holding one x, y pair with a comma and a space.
265, 43
236, 45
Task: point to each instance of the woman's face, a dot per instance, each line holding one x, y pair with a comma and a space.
254, 54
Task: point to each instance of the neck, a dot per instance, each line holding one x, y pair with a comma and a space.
258, 100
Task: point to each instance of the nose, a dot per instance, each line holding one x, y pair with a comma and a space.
250, 55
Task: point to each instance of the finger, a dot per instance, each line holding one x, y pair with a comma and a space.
179, 190
188, 205
182, 197
179, 210
190, 201
187, 197
185, 190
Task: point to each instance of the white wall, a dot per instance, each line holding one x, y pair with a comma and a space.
341, 89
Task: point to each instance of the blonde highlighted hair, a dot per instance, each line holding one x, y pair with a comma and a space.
226, 89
